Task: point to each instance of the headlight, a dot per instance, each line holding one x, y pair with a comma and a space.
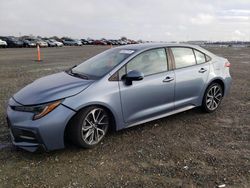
45, 109
39, 110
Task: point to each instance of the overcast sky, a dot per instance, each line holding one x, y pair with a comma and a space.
158, 20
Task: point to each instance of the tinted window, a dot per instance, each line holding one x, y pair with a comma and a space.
200, 57
149, 62
184, 57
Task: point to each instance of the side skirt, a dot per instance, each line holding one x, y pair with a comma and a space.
161, 116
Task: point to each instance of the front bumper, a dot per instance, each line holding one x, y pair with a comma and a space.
46, 133
27, 139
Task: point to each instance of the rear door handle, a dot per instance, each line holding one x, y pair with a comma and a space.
168, 79
202, 70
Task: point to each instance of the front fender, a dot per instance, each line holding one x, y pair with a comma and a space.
104, 94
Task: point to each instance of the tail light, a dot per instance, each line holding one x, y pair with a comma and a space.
227, 64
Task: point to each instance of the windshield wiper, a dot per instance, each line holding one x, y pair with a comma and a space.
79, 75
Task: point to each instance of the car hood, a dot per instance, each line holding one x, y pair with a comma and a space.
50, 88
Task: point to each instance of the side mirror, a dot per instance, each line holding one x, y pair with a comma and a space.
133, 75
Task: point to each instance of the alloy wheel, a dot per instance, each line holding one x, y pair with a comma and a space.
213, 98
95, 126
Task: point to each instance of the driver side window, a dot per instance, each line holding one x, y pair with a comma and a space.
149, 62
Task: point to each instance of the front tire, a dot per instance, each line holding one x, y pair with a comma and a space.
212, 98
89, 126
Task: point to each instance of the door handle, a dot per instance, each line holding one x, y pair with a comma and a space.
202, 70
168, 79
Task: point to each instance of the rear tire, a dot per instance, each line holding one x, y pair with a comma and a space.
89, 126
212, 98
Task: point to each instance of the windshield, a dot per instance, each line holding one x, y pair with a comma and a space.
103, 63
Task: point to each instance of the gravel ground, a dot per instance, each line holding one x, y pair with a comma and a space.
190, 149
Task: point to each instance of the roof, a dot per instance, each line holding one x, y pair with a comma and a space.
146, 46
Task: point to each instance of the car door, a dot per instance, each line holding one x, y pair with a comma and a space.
152, 96
191, 73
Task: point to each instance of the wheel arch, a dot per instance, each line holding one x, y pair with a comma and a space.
203, 101
219, 81
111, 113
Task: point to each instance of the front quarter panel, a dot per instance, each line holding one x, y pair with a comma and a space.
102, 92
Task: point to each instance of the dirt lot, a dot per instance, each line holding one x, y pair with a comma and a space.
191, 149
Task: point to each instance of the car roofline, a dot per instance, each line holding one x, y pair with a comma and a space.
148, 46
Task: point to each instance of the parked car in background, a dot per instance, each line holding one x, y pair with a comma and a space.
29, 42
41, 43
90, 41
12, 41
114, 42
107, 42
133, 42
3, 44
50, 43
99, 42
122, 42
114, 90
78, 42
71, 42
57, 43
84, 41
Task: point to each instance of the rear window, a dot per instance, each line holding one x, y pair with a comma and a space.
184, 57
200, 57
208, 58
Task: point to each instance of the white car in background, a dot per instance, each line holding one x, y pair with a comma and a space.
42, 43
79, 42
57, 43
3, 43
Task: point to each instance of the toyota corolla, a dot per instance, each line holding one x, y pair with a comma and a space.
119, 88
